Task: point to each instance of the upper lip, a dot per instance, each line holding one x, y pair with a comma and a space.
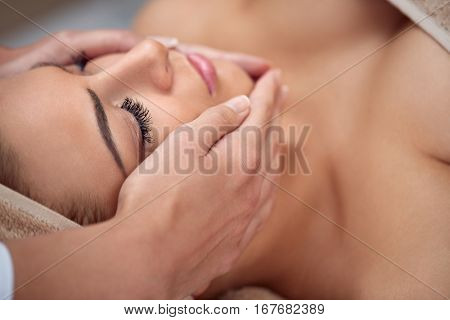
205, 68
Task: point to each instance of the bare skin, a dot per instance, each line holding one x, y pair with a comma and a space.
378, 149
54, 115
54, 106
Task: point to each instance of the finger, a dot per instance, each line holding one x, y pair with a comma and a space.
271, 162
253, 130
217, 121
169, 42
279, 104
274, 134
282, 98
264, 210
254, 66
92, 44
201, 289
251, 231
263, 99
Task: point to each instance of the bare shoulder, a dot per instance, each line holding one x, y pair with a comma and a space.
408, 118
414, 83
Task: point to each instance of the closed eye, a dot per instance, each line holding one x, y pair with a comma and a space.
78, 70
142, 117
50, 64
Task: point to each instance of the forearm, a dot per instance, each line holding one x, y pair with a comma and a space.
93, 262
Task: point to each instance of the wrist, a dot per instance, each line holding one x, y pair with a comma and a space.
140, 242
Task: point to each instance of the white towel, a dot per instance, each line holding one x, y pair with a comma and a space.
433, 16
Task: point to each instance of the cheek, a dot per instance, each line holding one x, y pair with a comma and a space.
232, 81
99, 64
167, 119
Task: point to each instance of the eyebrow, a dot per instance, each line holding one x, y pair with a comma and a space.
105, 131
102, 119
49, 64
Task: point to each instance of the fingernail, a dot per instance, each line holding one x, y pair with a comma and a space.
169, 42
239, 103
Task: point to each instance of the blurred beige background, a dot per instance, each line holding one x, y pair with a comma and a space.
55, 15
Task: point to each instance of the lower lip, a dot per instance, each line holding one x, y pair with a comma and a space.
206, 70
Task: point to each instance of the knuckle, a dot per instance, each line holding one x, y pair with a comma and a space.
223, 115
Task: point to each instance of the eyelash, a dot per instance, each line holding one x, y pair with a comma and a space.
142, 116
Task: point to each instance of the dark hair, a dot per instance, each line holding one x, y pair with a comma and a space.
82, 209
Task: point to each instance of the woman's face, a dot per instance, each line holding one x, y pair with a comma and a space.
79, 134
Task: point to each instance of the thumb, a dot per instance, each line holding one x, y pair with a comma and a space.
218, 121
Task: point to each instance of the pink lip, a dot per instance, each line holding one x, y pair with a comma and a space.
206, 70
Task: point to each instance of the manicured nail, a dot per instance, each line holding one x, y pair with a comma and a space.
168, 42
239, 103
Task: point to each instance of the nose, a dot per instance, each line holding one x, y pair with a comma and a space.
146, 64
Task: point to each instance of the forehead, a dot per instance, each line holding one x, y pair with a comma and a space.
45, 100
45, 86
47, 117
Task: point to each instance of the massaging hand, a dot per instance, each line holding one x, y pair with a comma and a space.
73, 47
173, 232
67, 47
204, 221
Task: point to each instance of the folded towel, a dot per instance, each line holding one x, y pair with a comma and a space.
433, 16
22, 217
